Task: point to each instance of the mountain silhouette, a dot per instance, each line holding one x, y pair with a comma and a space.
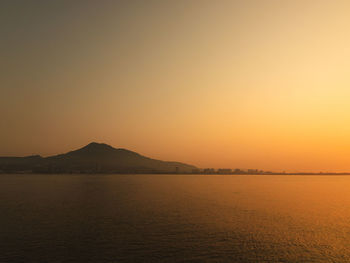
93, 158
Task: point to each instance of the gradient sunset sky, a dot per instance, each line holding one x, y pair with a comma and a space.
248, 84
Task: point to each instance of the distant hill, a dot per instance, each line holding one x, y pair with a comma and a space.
93, 158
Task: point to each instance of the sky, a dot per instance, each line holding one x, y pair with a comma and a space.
249, 84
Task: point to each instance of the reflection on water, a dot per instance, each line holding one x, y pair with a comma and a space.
174, 218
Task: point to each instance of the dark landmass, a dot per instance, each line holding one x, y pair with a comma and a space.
93, 158
102, 158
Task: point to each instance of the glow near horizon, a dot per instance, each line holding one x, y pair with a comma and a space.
247, 84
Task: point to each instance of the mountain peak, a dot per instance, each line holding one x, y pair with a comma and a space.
93, 149
98, 146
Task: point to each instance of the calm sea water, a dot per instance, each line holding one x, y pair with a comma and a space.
174, 218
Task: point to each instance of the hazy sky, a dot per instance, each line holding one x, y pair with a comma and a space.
249, 84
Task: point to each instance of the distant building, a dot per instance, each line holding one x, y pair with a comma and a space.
209, 171
224, 171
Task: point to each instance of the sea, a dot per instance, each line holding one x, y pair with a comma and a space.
174, 218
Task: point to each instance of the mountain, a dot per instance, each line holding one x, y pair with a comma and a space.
93, 158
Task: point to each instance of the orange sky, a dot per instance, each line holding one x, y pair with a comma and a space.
248, 84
